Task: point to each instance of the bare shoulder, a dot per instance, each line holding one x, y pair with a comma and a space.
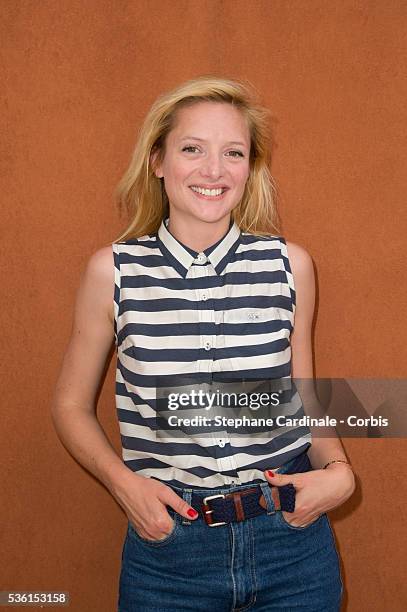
300, 261
97, 282
298, 256
100, 264
99, 270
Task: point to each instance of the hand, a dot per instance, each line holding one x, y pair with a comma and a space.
144, 500
317, 491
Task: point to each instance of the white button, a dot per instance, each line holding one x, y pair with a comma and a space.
221, 443
207, 346
204, 296
201, 258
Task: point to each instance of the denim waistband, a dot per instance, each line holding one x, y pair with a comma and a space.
300, 463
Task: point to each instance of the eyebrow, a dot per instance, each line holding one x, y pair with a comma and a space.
232, 142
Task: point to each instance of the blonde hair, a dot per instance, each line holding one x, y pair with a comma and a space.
142, 195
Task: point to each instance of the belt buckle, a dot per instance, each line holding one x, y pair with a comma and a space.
205, 500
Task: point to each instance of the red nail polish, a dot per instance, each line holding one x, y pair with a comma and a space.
270, 473
192, 513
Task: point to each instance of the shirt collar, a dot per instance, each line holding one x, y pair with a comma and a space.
182, 257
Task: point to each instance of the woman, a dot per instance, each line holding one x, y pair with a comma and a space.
204, 288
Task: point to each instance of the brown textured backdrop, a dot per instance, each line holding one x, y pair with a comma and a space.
78, 79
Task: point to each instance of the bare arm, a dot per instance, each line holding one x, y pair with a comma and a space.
74, 402
323, 449
320, 490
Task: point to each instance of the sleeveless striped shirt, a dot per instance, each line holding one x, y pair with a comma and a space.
227, 311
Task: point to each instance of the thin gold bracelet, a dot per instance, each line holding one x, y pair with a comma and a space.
337, 461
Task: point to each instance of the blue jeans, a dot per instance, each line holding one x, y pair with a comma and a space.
258, 564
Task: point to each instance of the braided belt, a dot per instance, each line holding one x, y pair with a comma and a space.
226, 508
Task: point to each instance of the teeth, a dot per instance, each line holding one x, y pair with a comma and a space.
207, 192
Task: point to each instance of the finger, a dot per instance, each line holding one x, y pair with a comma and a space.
297, 521
279, 480
290, 519
141, 532
309, 522
170, 498
157, 528
147, 535
293, 520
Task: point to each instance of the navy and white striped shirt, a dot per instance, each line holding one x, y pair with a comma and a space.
224, 312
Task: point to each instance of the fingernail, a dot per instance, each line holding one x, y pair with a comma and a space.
192, 513
270, 473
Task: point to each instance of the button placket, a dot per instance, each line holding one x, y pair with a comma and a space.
233, 465
206, 315
224, 439
208, 342
228, 464
203, 365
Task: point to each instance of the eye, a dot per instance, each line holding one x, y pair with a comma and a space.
239, 153
189, 147
193, 149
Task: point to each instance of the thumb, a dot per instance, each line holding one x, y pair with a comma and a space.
279, 480
180, 505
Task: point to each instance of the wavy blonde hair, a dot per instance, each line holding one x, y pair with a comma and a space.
142, 195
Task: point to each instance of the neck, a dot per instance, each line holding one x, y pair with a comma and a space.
198, 235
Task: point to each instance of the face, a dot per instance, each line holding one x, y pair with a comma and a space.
206, 163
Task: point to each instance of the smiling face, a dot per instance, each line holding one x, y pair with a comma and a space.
205, 166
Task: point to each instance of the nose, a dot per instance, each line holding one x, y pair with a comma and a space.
212, 166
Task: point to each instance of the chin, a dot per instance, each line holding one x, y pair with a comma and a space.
213, 218
212, 214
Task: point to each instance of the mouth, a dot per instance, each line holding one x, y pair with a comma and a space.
209, 194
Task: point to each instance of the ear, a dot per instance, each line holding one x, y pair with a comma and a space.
155, 164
